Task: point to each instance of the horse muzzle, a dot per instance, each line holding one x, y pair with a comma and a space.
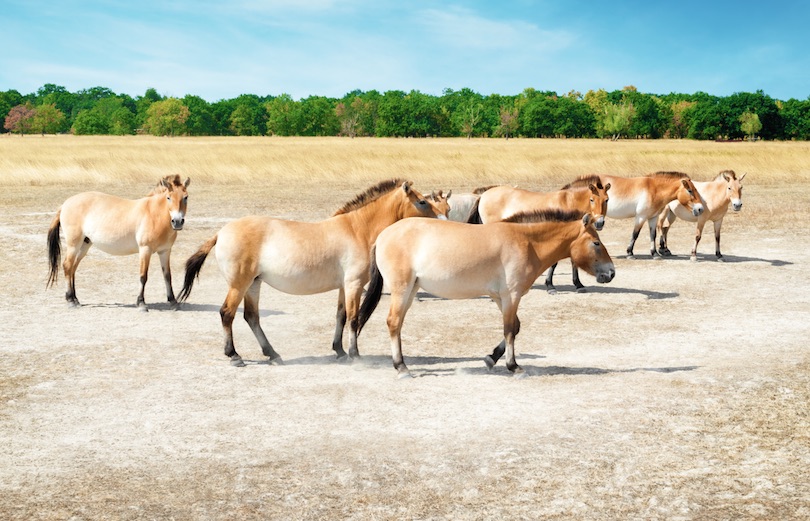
606, 274
600, 223
178, 222
736, 205
697, 210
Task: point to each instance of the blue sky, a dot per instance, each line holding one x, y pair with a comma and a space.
221, 49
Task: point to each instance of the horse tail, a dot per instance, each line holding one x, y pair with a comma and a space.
475, 216
373, 293
193, 266
54, 248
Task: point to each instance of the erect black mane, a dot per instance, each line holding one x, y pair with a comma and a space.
371, 194
543, 216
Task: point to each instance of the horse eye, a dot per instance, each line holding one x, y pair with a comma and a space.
597, 243
422, 202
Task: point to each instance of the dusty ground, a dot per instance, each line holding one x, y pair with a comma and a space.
678, 391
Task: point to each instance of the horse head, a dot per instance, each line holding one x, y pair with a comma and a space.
599, 203
588, 252
177, 199
417, 205
734, 188
689, 197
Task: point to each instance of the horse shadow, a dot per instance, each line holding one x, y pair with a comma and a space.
728, 259
651, 295
187, 306
535, 370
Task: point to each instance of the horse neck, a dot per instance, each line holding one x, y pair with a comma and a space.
715, 194
371, 219
551, 241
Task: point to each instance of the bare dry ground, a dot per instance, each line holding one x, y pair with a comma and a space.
678, 391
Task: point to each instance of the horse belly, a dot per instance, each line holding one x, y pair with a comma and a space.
683, 212
625, 209
303, 283
457, 288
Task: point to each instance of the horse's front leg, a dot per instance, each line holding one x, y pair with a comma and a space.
145, 253
638, 223
698, 236
165, 266
340, 325
665, 220
550, 281
651, 225
717, 225
575, 278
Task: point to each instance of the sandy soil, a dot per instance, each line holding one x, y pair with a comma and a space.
678, 391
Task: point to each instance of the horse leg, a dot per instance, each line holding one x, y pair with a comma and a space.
227, 313
575, 278
500, 349
354, 293
76, 251
401, 299
698, 235
340, 325
511, 326
717, 225
665, 220
165, 266
252, 318
550, 280
636, 230
651, 225
145, 254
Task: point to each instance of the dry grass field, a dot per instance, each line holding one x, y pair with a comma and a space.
678, 391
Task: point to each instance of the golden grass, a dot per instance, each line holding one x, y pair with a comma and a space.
458, 163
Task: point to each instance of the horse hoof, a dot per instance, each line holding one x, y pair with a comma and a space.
631, 256
274, 361
693, 258
519, 374
343, 359
143, 309
73, 304
552, 291
489, 361
404, 375
582, 290
237, 362
721, 259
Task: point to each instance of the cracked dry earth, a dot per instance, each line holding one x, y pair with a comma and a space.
678, 391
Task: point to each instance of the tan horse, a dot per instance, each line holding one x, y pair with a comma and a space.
501, 202
458, 260
725, 189
302, 258
119, 227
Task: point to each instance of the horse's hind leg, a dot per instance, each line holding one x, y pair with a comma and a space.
227, 313
665, 220
401, 300
575, 278
651, 225
717, 225
76, 250
252, 318
492, 359
340, 325
550, 280
636, 231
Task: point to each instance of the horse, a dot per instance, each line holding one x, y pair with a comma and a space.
500, 202
457, 260
303, 258
716, 195
642, 198
119, 227
461, 206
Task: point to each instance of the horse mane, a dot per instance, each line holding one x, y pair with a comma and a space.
173, 180
481, 189
584, 181
676, 175
544, 216
729, 173
371, 194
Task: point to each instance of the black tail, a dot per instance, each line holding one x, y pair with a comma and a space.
54, 249
372, 298
475, 217
193, 266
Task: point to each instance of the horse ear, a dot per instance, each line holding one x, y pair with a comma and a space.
586, 219
593, 189
685, 183
165, 184
449, 193
743, 176
188, 181
607, 187
407, 187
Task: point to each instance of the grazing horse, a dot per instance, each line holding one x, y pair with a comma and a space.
500, 202
119, 227
302, 258
725, 189
457, 260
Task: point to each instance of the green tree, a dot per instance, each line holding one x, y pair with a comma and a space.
318, 117
201, 121
166, 118
283, 116
618, 118
508, 122
796, 117
47, 119
750, 124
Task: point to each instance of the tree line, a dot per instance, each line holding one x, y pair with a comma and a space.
625, 113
